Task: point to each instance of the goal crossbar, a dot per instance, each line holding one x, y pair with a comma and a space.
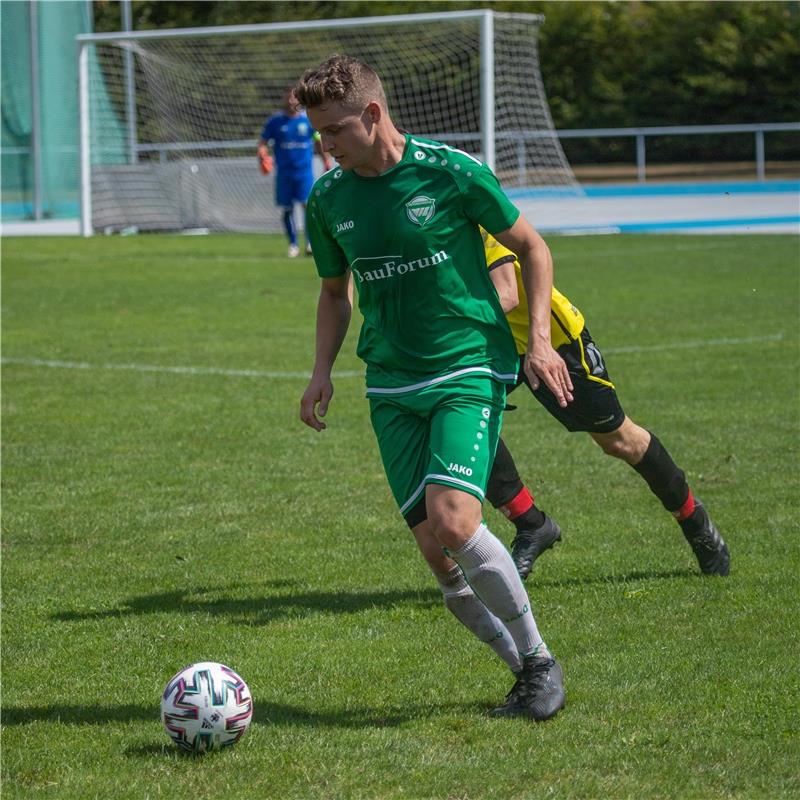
309, 25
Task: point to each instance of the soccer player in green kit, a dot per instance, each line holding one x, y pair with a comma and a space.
401, 214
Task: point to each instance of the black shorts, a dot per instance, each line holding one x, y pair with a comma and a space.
595, 407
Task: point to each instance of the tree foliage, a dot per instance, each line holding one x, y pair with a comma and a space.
663, 63
604, 64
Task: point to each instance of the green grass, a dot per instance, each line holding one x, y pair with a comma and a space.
155, 518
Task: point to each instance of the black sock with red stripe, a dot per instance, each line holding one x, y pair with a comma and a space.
666, 480
522, 511
506, 492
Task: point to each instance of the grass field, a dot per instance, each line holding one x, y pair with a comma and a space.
162, 504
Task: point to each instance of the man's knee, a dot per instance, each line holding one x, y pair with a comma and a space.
615, 446
628, 443
454, 515
439, 563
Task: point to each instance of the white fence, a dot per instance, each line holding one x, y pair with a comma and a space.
522, 137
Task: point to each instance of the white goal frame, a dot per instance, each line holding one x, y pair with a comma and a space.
484, 17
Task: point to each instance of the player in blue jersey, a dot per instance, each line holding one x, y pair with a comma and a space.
292, 140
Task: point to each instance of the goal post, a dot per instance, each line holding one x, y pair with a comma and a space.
170, 118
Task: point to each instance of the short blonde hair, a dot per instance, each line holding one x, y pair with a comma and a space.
342, 78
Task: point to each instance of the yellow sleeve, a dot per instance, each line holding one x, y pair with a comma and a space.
566, 321
496, 253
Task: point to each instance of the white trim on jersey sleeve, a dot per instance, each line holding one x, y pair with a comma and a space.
446, 147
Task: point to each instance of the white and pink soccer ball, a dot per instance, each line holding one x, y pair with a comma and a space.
205, 707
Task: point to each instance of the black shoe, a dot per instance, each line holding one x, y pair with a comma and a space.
538, 692
709, 547
529, 545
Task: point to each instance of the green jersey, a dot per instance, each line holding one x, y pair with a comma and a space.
411, 238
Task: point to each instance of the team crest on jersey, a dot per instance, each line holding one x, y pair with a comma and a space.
420, 209
302, 128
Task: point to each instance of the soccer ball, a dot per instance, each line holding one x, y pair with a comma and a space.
206, 706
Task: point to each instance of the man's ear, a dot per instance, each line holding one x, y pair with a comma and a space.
374, 111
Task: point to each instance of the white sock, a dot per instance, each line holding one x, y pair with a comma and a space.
491, 573
467, 608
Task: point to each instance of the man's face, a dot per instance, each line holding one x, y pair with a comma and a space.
347, 135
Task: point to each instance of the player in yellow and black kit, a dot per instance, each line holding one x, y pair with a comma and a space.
595, 409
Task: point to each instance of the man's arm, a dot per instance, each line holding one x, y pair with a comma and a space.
504, 278
541, 360
334, 308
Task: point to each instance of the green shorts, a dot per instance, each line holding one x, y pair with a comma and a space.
445, 434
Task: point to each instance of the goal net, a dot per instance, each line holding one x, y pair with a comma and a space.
170, 119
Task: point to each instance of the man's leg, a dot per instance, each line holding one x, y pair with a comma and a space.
284, 199
596, 409
438, 445
455, 520
291, 232
645, 453
536, 532
462, 602
403, 438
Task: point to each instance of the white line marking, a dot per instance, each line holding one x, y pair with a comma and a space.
237, 373
777, 337
276, 374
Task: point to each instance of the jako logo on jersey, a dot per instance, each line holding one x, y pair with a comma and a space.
345, 226
460, 470
391, 268
420, 209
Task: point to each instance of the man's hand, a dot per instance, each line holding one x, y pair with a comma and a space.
333, 317
266, 163
315, 400
543, 363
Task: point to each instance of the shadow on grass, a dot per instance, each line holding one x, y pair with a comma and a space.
77, 715
626, 577
267, 608
266, 713
261, 609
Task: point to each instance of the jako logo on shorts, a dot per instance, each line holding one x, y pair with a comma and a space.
459, 469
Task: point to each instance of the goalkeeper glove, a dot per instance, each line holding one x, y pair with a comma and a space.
266, 163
